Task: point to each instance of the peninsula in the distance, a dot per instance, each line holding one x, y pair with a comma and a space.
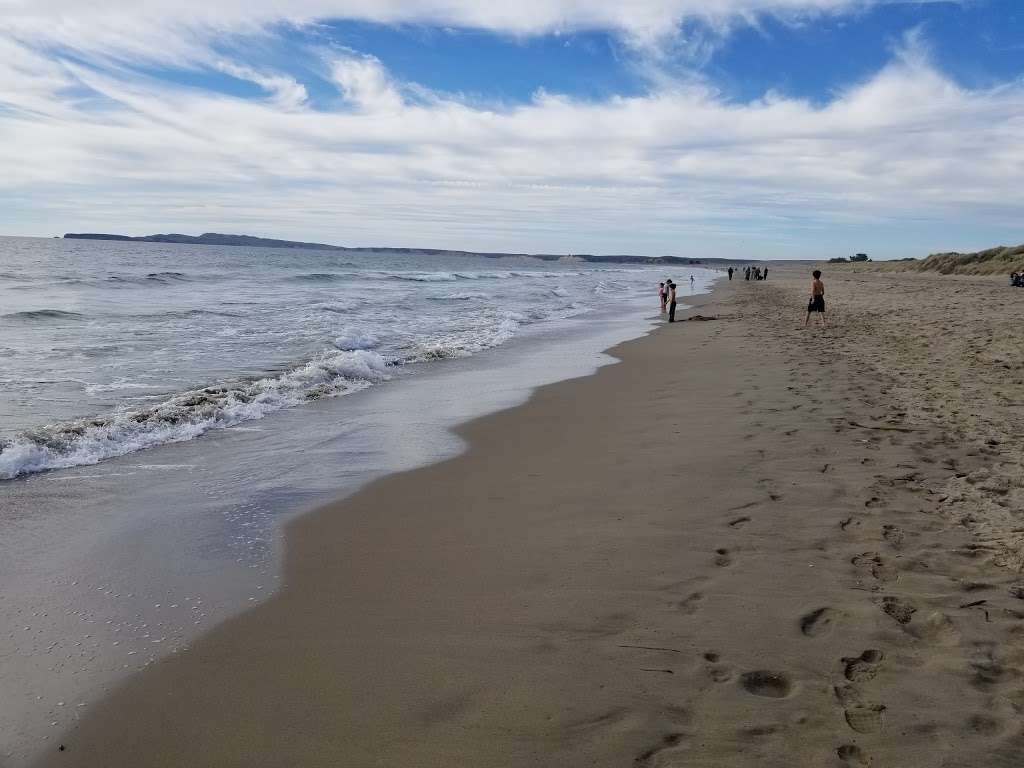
216, 238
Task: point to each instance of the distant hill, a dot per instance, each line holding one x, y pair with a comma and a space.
208, 238
215, 238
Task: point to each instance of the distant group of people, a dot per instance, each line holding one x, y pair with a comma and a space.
756, 273
751, 273
1017, 279
815, 303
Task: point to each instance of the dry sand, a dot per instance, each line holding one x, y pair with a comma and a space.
745, 545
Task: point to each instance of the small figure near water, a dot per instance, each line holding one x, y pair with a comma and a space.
663, 296
817, 300
730, 273
671, 301
691, 283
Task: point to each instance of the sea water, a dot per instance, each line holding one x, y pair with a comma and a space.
165, 408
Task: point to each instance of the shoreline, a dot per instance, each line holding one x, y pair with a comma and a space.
708, 552
139, 574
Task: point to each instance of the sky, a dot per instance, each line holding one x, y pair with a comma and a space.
733, 128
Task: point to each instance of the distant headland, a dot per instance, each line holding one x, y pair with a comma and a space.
215, 238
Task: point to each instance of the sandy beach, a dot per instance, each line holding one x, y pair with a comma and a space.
746, 544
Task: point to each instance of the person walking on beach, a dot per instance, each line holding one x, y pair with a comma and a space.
764, 275
663, 295
817, 301
730, 273
671, 301
691, 283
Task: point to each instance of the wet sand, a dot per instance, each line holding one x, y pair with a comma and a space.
747, 544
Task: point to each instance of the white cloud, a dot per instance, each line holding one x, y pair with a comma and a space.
93, 145
285, 91
365, 84
177, 29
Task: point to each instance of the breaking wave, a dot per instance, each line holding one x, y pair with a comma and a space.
187, 415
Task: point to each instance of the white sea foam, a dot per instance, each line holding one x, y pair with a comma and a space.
356, 340
187, 415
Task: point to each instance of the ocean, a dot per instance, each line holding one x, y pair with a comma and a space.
165, 409
108, 348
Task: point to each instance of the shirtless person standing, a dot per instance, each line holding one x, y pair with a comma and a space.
671, 301
817, 301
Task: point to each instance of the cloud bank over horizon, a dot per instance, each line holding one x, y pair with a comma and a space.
151, 116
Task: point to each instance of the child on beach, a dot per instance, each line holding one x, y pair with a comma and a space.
817, 301
663, 295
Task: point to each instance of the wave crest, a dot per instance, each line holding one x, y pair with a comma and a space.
187, 415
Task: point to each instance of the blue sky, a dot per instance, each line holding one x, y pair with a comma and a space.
979, 43
721, 127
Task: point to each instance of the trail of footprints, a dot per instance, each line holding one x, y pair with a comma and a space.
878, 573
861, 713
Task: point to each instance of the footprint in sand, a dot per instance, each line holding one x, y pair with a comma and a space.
739, 522
720, 673
937, 628
881, 570
985, 725
863, 667
773, 685
988, 670
722, 557
817, 622
691, 603
885, 572
866, 559
865, 718
894, 535
900, 610
852, 755
668, 741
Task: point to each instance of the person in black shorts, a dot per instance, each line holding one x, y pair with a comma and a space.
671, 301
816, 304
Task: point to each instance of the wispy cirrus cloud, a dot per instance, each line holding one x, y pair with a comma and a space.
179, 29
